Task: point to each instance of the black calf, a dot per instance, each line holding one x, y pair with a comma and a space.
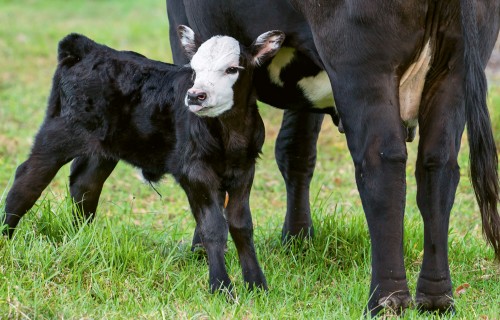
108, 105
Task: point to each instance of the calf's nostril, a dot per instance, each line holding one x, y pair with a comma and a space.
196, 96
202, 96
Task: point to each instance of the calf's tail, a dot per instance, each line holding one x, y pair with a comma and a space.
483, 152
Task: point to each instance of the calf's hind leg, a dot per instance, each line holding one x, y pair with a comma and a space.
50, 152
88, 174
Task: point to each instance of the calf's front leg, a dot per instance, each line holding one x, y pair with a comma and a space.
205, 202
241, 229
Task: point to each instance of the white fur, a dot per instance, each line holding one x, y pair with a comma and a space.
187, 37
318, 90
210, 63
280, 61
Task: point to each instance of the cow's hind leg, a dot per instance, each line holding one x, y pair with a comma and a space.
369, 109
295, 153
88, 174
51, 150
241, 229
442, 123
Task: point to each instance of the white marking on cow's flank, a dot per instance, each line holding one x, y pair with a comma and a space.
279, 62
318, 90
411, 86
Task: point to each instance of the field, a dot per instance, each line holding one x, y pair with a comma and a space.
134, 261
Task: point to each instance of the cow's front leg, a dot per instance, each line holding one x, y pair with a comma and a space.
369, 110
206, 205
241, 229
88, 174
295, 153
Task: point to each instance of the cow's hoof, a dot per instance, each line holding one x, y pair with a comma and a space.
434, 295
440, 303
393, 304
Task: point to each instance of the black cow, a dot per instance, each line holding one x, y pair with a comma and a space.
109, 105
392, 65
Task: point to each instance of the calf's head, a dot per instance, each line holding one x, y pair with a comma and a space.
223, 69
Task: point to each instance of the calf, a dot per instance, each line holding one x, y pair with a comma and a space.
108, 105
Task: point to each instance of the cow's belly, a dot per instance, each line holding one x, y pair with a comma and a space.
316, 87
411, 86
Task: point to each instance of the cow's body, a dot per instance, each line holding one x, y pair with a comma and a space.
108, 105
392, 65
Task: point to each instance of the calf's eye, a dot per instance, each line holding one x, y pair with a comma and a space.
231, 70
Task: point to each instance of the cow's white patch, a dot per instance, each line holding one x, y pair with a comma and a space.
279, 62
411, 86
317, 89
210, 63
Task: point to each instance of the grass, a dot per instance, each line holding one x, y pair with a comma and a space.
134, 260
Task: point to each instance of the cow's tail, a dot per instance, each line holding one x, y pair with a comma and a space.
73, 48
483, 153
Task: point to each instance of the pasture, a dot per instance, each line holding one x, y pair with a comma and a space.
134, 261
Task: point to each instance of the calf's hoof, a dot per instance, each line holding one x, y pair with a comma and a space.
258, 283
222, 286
291, 234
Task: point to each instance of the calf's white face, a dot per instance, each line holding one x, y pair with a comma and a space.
216, 65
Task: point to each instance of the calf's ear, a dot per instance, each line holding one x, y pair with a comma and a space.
188, 40
266, 46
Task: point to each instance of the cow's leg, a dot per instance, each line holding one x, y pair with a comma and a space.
205, 202
88, 174
442, 123
241, 229
51, 150
295, 153
369, 109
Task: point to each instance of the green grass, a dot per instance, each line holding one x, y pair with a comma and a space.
134, 260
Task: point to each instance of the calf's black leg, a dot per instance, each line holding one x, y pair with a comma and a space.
295, 153
241, 229
51, 150
88, 174
205, 202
